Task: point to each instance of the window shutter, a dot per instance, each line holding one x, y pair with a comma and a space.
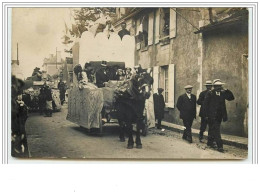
172, 22
138, 45
155, 78
171, 81
150, 29
157, 26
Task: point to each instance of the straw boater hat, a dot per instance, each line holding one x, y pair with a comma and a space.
208, 82
217, 82
104, 63
188, 87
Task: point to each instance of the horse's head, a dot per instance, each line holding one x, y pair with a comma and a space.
145, 81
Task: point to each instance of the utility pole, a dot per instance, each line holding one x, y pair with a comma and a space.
56, 59
17, 55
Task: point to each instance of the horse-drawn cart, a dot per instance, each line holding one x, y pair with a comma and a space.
87, 104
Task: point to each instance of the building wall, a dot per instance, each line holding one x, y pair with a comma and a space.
224, 58
52, 69
182, 51
199, 58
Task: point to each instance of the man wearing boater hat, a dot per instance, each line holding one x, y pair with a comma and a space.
186, 104
215, 111
200, 101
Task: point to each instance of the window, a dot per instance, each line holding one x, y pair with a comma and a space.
164, 77
164, 82
142, 31
164, 22
165, 25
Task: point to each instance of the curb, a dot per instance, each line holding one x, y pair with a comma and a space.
239, 142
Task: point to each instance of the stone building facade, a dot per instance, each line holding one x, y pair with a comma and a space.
189, 46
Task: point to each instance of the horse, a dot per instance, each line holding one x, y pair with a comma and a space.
130, 107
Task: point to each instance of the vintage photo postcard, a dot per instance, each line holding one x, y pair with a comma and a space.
129, 83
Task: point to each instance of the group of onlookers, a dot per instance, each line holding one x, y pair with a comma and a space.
212, 112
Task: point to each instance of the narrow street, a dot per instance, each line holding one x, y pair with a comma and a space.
55, 137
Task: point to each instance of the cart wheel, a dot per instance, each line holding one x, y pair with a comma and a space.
100, 125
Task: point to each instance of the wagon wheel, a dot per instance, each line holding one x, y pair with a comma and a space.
100, 125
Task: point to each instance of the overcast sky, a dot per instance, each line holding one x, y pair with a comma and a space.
38, 32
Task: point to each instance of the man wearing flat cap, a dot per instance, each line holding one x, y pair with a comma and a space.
186, 104
215, 111
200, 101
159, 105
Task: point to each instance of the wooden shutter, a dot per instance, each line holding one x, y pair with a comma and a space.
157, 26
155, 78
172, 22
138, 45
171, 80
150, 29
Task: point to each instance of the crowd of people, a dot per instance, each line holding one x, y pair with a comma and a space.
24, 101
212, 112
212, 101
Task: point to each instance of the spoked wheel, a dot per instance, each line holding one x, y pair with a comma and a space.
100, 126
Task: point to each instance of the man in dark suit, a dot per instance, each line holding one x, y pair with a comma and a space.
159, 105
123, 32
200, 101
62, 89
215, 112
186, 104
101, 75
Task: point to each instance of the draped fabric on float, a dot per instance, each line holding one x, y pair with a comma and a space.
84, 107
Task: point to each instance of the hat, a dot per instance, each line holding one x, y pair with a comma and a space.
104, 63
208, 82
188, 87
137, 66
30, 89
160, 89
218, 82
128, 68
215, 80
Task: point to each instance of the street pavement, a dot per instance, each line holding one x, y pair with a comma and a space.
55, 137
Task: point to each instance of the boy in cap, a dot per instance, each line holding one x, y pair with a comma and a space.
200, 101
186, 104
215, 111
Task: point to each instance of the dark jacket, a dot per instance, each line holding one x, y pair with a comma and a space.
159, 105
200, 102
215, 106
19, 118
62, 87
101, 77
48, 94
186, 106
123, 32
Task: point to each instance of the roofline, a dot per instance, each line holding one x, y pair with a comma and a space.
226, 22
123, 19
